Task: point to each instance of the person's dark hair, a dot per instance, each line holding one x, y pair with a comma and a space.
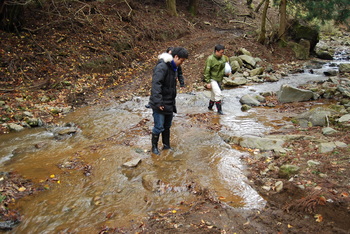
180, 52
169, 49
219, 47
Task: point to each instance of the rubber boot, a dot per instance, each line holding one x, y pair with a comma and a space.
166, 139
155, 138
219, 107
211, 104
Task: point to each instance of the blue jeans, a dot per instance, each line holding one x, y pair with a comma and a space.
161, 122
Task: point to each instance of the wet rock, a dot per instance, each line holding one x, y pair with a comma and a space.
235, 66
259, 143
243, 51
8, 225
257, 71
257, 79
328, 131
245, 107
299, 31
236, 59
40, 145
260, 98
249, 100
344, 118
340, 144
278, 186
301, 49
326, 147
291, 94
317, 116
67, 131
132, 163
330, 73
344, 67
330, 146
34, 122
234, 81
150, 183
15, 127
312, 163
324, 55
28, 114
248, 60
271, 78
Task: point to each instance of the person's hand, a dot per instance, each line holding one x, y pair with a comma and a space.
208, 86
161, 108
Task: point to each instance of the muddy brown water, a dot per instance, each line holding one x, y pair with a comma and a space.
113, 195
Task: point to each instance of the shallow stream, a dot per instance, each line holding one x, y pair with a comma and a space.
111, 135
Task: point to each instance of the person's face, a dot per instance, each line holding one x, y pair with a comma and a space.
219, 53
178, 61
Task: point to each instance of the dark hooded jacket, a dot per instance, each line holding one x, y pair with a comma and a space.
163, 92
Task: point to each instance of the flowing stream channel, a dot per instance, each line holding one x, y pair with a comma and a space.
109, 136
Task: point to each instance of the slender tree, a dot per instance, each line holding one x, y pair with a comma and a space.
171, 7
262, 35
283, 19
193, 7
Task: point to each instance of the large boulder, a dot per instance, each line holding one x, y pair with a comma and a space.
248, 60
316, 117
234, 66
256, 71
297, 32
324, 55
291, 94
301, 49
234, 81
249, 100
261, 143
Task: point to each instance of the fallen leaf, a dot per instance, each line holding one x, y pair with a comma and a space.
319, 218
21, 189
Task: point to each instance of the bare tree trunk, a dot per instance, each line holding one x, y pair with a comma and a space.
262, 36
171, 7
193, 7
283, 19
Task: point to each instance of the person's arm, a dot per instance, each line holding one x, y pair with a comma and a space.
180, 77
206, 74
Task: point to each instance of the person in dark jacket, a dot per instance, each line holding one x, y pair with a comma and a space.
180, 76
163, 94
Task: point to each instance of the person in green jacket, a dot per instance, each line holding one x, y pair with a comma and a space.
213, 75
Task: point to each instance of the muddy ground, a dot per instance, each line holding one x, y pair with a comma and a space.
69, 60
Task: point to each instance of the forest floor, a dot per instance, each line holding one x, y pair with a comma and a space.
106, 51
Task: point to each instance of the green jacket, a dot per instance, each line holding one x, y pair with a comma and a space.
214, 68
